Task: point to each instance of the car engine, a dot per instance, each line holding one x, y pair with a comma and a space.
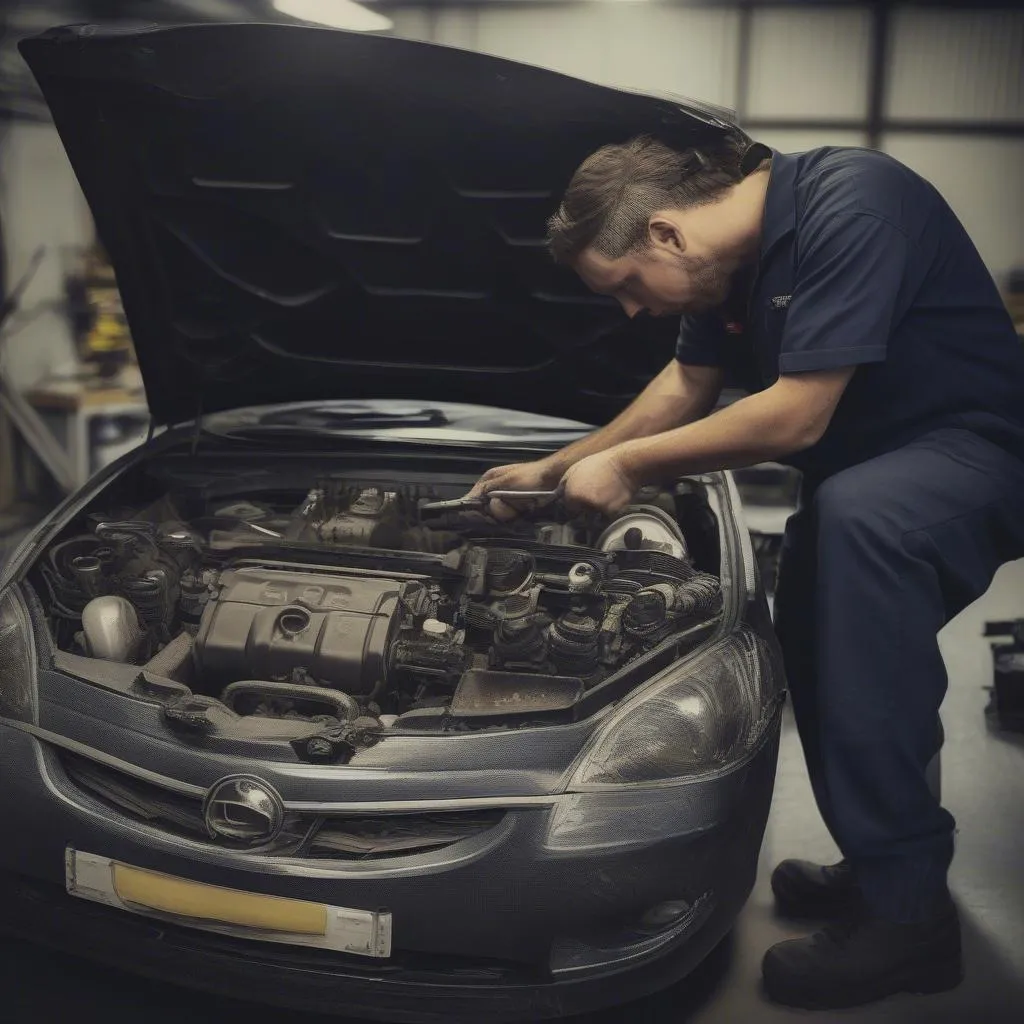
358, 603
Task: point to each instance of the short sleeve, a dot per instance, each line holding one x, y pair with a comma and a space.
849, 293
701, 339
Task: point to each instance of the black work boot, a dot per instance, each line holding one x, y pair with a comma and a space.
819, 892
865, 958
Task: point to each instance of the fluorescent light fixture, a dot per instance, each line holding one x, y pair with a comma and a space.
336, 13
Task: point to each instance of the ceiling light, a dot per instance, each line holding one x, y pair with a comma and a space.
336, 13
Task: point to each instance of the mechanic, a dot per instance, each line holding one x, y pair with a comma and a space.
844, 295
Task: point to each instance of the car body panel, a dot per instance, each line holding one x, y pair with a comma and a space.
536, 898
260, 262
227, 168
543, 895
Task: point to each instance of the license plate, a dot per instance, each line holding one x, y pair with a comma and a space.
214, 908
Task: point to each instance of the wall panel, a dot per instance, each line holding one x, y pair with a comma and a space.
796, 140
981, 179
682, 50
809, 63
572, 38
956, 65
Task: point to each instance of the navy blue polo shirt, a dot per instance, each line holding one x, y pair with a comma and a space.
862, 263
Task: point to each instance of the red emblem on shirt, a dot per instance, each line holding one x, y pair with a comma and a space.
733, 327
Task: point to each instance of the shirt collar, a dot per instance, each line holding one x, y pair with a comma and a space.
780, 202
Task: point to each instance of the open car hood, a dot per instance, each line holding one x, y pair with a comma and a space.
299, 213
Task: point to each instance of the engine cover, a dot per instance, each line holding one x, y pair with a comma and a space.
265, 623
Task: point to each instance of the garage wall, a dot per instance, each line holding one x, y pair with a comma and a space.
40, 202
964, 65
957, 64
805, 65
810, 64
679, 49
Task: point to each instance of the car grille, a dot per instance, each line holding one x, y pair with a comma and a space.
337, 837
394, 835
137, 799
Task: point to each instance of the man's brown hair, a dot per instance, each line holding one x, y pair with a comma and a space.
613, 193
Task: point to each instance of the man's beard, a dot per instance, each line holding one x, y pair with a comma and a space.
710, 280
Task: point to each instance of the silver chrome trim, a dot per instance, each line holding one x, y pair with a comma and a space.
468, 851
293, 806
747, 557
184, 788
246, 793
463, 803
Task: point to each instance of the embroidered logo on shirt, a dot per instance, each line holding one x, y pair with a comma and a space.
781, 301
733, 327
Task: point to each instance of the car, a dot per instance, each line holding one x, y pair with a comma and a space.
281, 717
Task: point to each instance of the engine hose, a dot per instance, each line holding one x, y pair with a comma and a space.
62, 602
58, 572
659, 604
149, 595
344, 706
657, 562
56, 605
650, 579
701, 595
622, 586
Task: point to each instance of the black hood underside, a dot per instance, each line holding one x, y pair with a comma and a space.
298, 214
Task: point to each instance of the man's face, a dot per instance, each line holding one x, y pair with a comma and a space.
667, 278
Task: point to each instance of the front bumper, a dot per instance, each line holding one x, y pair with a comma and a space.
310, 981
475, 932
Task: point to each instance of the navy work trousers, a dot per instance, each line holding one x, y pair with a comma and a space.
878, 558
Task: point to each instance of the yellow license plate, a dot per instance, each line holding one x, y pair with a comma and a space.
229, 911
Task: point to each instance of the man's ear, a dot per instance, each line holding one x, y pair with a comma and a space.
665, 234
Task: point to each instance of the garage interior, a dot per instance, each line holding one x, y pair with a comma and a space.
937, 85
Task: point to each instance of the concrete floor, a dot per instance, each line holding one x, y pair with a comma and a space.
983, 782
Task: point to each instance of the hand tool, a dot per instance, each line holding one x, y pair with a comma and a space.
479, 502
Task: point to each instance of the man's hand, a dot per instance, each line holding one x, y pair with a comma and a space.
599, 483
521, 476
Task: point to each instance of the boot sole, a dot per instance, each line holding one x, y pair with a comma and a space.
943, 976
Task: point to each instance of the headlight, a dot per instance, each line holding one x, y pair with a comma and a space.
704, 715
17, 660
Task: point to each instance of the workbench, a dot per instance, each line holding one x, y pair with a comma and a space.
73, 410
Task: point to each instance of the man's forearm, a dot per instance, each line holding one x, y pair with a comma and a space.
759, 428
668, 401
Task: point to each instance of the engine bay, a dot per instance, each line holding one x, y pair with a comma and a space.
352, 605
